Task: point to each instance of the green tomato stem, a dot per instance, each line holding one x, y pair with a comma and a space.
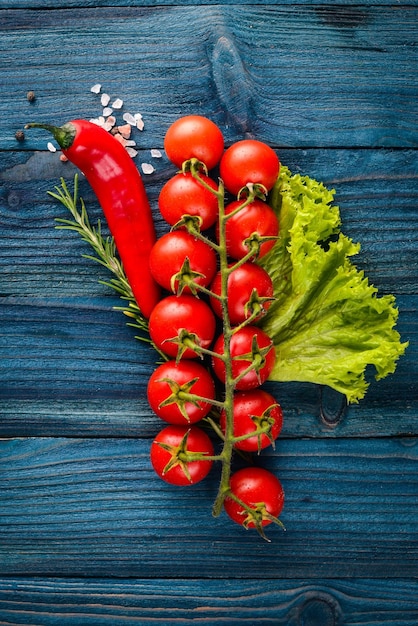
227, 405
250, 198
215, 427
193, 397
190, 457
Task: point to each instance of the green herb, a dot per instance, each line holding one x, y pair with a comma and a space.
327, 323
104, 252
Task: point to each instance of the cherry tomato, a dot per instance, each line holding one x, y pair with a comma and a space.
194, 136
179, 250
184, 195
249, 161
169, 452
255, 345
260, 490
257, 220
168, 384
177, 317
248, 286
252, 409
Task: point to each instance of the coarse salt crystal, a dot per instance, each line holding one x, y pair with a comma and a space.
125, 130
63, 158
156, 153
105, 99
119, 138
147, 168
96, 88
112, 120
129, 118
131, 152
139, 123
51, 147
117, 104
107, 111
107, 126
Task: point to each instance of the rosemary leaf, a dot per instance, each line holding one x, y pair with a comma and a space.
104, 250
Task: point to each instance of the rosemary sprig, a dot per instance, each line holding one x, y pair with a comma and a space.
104, 249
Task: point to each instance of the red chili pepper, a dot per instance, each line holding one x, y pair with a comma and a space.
118, 186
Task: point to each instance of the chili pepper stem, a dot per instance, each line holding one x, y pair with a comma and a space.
64, 135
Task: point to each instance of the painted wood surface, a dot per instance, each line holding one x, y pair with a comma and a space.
88, 507
87, 534
59, 307
290, 75
196, 601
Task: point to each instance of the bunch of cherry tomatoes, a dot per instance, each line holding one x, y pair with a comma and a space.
206, 324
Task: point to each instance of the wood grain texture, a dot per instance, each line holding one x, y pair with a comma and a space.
88, 507
347, 13
57, 321
375, 189
88, 535
313, 73
283, 603
72, 367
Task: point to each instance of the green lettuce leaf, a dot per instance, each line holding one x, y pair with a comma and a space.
327, 323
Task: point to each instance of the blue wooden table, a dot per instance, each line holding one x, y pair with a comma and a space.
88, 534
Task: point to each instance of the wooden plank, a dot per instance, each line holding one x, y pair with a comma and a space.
289, 75
57, 321
84, 505
88, 507
72, 367
49, 601
346, 14
376, 192
54, 307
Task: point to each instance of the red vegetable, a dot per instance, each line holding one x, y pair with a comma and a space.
194, 137
259, 490
250, 289
249, 161
178, 320
118, 186
172, 453
254, 227
184, 195
177, 257
169, 384
250, 346
254, 409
